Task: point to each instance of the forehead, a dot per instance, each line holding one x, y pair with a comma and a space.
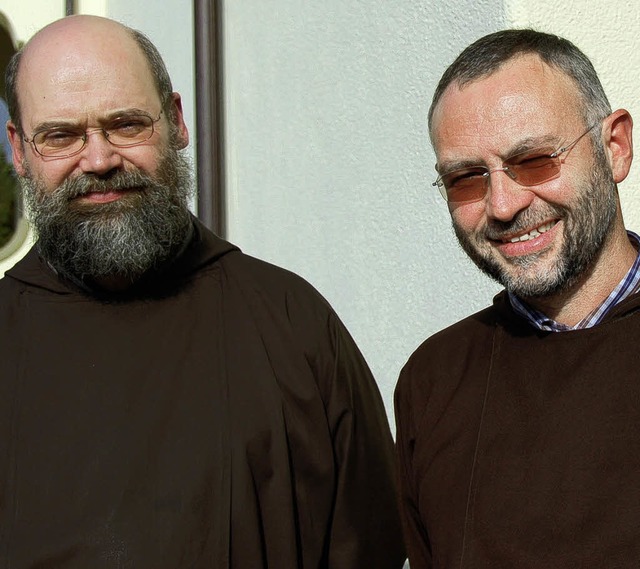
524, 99
83, 79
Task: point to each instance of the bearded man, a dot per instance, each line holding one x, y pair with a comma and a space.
517, 437
165, 400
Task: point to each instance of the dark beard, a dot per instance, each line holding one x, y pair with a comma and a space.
127, 238
587, 224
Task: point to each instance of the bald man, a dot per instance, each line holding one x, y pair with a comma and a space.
165, 400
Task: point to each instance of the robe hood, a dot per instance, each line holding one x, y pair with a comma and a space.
203, 249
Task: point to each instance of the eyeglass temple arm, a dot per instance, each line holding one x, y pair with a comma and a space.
572, 144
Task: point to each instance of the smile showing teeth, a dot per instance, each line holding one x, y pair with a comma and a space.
533, 234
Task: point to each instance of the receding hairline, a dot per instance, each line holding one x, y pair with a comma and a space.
70, 26
462, 83
527, 92
490, 53
86, 24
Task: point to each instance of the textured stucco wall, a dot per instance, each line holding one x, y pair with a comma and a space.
329, 166
28, 16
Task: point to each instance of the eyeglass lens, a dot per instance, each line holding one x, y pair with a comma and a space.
122, 132
527, 169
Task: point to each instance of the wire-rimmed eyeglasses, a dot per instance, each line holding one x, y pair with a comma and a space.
64, 141
529, 168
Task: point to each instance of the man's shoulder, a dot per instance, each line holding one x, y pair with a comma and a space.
252, 274
447, 373
7, 289
452, 341
242, 268
9, 283
10, 304
450, 356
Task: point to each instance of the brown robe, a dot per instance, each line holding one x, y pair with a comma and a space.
224, 418
520, 448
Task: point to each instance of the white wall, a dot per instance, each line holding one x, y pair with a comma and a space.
28, 16
25, 18
329, 165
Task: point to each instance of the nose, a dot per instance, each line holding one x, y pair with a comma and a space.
99, 156
505, 198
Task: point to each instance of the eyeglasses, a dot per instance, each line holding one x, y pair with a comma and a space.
65, 141
528, 168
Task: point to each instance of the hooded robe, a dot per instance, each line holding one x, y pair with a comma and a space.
219, 416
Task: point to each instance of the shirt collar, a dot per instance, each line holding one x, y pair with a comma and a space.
627, 286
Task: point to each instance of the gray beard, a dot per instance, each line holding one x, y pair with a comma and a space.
586, 226
127, 238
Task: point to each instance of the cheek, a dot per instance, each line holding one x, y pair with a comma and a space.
563, 191
48, 174
144, 158
575, 174
468, 218
148, 165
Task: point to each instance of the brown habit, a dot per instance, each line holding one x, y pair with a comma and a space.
224, 420
520, 449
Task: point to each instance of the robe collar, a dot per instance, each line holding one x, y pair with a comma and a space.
203, 249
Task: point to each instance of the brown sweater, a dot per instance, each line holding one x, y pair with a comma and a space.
519, 448
223, 419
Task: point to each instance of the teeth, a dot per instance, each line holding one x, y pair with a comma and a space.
533, 234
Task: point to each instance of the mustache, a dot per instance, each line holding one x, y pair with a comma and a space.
84, 184
496, 229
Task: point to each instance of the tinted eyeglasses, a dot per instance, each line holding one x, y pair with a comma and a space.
529, 168
64, 141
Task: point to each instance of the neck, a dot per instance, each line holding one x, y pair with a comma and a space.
570, 306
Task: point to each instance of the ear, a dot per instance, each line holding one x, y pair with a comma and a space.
618, 143
178, 119
17, 148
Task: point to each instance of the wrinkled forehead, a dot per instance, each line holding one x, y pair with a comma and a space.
524, 98
83, 75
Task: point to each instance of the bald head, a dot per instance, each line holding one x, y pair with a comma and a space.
67, 31
78, 46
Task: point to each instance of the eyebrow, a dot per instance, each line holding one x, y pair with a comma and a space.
62, 124
452, 166
530, 143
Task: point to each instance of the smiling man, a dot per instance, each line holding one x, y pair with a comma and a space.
517, 437
165, 400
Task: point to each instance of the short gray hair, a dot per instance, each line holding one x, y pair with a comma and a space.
486, 55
